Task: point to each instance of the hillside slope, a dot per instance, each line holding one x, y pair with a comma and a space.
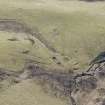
57, 35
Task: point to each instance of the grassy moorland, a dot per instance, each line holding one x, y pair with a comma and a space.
75, 29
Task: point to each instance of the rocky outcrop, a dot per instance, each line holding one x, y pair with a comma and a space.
86, 88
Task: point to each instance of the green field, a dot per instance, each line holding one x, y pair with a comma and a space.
76, 29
